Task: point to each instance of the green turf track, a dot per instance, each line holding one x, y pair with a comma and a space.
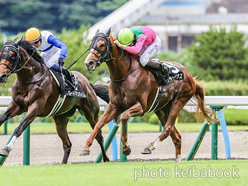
117, 174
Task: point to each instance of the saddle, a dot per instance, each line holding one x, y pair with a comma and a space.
175, 73
69, 88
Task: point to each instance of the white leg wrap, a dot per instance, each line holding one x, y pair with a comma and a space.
178, 159
11, 143
155, 144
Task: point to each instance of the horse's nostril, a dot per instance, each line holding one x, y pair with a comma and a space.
4, 76
91, 63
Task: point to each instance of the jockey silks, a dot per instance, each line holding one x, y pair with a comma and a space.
51, 48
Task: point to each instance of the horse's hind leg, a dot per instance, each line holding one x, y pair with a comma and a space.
61, 127
176, 138
91, 114
167, 117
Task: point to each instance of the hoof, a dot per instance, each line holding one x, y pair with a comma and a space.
85, 153
106, 160
4, 153
126, 152
146, 151
178, 159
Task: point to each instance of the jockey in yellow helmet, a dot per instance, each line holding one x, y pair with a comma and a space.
53, 50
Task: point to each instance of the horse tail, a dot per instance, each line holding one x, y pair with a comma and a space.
101, 91
199, 95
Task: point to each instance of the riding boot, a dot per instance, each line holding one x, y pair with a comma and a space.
70, 76
156, 64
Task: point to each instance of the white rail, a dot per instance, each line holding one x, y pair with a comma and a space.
209, 101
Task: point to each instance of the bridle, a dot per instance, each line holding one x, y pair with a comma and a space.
16, 61
106, 54
12, 46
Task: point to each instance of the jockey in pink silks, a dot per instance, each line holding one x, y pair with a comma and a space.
142, 41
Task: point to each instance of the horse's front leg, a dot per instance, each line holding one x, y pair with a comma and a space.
109, 114
29, 117
135, 110
12, 110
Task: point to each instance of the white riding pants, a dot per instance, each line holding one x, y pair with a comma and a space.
51, 58
148, 51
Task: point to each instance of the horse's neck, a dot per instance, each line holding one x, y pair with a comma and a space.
119, 68
31, 71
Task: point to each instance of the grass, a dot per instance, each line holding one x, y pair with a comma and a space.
112, 173
84, 127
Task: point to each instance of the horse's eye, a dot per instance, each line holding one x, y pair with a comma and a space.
102, 45
13, 56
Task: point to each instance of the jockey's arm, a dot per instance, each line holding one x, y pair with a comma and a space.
137, 47
58, 43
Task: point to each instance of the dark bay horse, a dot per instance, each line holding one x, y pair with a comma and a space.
36, 92
132, 91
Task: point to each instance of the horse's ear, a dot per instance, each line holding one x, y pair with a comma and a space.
5, 39
97, 32
108, 32
89, 44
19, 40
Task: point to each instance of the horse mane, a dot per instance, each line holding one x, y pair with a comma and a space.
31, 51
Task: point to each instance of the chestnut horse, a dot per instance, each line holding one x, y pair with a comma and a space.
36, 92
132, 91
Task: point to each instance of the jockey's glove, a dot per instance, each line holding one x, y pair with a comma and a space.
61, 61
119, 44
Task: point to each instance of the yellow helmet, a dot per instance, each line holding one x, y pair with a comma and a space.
126, 36
32, 35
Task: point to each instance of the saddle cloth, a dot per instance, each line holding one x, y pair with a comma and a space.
175, 73
78, 92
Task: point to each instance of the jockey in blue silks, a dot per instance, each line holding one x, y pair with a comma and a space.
53, 50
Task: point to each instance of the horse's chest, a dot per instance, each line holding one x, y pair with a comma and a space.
20, 100
23, 99
123, 100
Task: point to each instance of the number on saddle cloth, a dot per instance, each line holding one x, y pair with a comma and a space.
175, 73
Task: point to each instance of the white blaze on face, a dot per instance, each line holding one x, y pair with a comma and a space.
87, 58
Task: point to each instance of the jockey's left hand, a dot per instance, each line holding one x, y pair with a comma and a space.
119, 44
61, 61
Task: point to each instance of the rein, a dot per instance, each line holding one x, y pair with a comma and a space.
76, 59
41, 79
